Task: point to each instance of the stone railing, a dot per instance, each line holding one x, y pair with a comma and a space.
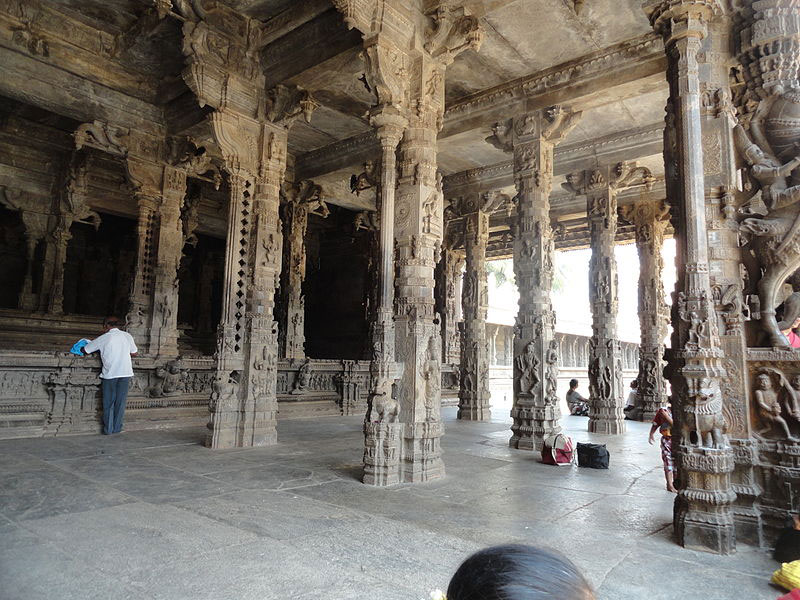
48, 394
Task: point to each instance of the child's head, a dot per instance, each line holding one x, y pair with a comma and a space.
518, 572
634, 384
573, 383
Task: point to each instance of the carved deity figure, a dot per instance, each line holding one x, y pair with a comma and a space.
552, 373
775, 233
527, 365
431, 373
171, 379
769, 407
303, 381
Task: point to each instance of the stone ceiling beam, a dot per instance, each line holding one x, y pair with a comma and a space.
578, 83
596, 79
31, 81
627, 145
321, 38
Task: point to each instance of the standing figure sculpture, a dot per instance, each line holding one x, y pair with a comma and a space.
776, 233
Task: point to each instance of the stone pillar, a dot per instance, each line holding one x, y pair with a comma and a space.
139, 315
605, 360
382, 431
153, 317
453, 264
164, 323
418, 231
473, 396
600, 186
533, 137
244, 400
650, 220
703, 515
293, 338
406, 55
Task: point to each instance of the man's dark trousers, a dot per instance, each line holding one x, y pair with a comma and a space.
115, 394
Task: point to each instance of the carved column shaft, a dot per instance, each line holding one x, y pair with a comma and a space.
605, 359
418, 232
536, 411
390, 130
164, 322
703, 516
650, 220
382, 441
454, 262
294, 334
473, 396
144, 276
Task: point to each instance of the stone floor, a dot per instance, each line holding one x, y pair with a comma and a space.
154, 515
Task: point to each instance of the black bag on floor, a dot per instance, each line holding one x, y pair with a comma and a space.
592, 455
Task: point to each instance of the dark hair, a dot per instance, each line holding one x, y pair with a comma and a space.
518, 572
573, 383
635, 383
111, 322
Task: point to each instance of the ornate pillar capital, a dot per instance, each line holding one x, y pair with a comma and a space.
680, 19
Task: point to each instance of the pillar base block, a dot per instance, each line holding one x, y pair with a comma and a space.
607, 426
475, 413
707, 532
382, 447
422, 456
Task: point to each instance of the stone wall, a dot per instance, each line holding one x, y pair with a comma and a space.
55, 393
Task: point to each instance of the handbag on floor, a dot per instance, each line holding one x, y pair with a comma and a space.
594, 456
558, 450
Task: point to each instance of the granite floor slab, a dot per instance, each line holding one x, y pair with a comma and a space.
164, 518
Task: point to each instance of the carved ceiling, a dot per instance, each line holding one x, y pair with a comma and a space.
309, 45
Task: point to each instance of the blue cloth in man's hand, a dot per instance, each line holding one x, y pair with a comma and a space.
76, 349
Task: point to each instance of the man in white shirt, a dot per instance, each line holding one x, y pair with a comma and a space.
116, 348
630, 404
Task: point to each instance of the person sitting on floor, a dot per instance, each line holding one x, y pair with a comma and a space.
630, 403
518, 572
578, 405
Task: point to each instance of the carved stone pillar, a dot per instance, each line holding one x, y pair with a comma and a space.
140, 313
651, 220
382, 441
600, 186
533, 137
453, 265
406, 67
605, 359
703, 515
164, 323
153, 317
244, 401
473, 396
418, 231
293, 338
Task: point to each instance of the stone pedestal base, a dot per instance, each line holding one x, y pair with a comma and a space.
703, 518
471, 412
422, 452
532, 424
220, 437
382, 446
699, 531
607, 426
